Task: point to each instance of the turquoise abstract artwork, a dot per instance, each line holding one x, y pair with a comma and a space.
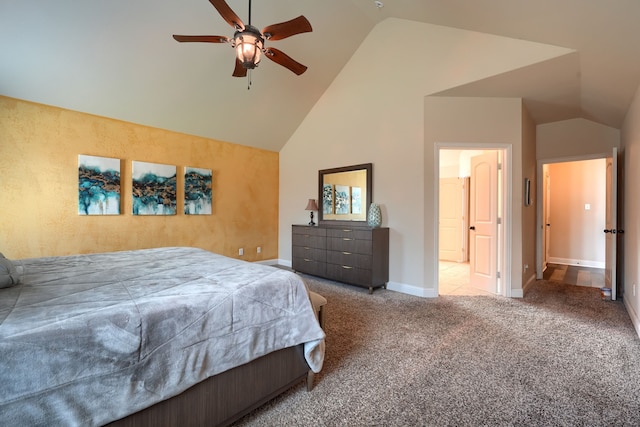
98, 185
197, 191
154, 188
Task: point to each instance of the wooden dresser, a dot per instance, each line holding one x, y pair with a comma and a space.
355, 255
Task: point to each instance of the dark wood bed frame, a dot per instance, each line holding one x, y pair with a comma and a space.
228, 396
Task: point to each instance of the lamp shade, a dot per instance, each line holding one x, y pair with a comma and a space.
248, 44
311, 205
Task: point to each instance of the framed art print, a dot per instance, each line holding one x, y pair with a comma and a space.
154, 188
98, 185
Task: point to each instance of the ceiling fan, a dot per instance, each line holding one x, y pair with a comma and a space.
248, 41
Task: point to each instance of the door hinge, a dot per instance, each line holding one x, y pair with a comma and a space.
497, 275
499, 166
499, 221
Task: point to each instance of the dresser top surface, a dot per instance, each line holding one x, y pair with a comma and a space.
358, 227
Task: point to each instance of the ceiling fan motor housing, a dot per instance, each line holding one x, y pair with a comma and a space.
249, 45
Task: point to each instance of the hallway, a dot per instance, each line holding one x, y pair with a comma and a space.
575, 275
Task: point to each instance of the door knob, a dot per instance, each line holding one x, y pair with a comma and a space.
472, 228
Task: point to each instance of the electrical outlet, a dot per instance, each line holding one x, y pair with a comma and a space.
259, 249
240, 251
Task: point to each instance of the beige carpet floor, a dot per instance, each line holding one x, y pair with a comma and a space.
559, 357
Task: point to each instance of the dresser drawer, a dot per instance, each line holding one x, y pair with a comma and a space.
309, 237
349, 233
309, 266
352, 275
349, 244
349, 259
308, 230
308, 241
306, 252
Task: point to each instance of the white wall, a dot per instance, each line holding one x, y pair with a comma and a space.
374, 112
493, 123
575, 138
631, 237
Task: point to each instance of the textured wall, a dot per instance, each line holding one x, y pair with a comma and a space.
39, 147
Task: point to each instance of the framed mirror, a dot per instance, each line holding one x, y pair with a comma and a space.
345, 194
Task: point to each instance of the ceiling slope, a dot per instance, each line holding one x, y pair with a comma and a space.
118, 59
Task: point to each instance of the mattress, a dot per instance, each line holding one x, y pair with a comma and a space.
88, 339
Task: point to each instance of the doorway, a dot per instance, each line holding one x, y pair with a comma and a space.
472, 215
575, 196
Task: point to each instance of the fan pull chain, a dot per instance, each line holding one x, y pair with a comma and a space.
248, 79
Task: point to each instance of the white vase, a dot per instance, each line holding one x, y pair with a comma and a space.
374, 217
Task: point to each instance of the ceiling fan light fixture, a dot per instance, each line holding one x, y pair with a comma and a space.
249, 45
248, 41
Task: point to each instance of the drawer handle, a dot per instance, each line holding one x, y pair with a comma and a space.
307, 247
347, 231
306, 235
307, 260
347, 267
346, 253
347, 238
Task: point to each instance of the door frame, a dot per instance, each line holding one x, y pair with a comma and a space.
539, 190
505, 211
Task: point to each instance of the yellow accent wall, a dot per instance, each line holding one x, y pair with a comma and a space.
39, 148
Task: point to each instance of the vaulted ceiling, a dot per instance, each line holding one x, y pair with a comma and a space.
117, 59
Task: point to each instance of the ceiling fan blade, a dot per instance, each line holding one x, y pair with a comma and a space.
287, 29
239, 70
285, 60
228, 14
206, 39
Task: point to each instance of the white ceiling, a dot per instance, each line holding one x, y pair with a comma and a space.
117, 59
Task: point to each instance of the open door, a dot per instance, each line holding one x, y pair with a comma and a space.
546, 216
483, 221
454, 193
611, 226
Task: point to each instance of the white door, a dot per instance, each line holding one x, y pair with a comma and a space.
546, 216
452, 243
483, 221
611, 226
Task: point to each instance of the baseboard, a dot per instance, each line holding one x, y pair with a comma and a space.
633, 315
270, 262
520, 293
576, 262
412, 290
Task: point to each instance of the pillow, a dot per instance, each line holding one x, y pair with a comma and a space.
9, 275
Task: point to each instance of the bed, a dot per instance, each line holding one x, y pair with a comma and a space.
166, 336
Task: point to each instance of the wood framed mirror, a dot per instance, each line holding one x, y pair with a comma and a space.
345, 194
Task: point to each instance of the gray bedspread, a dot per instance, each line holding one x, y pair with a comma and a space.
88, 339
